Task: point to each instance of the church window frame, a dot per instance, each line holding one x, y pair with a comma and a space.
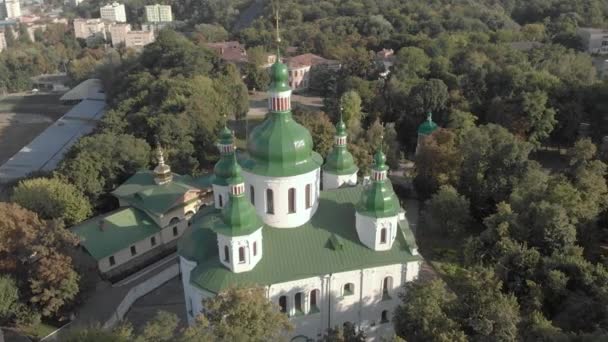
298, 300
153, 241
242, 255
383, 235
269, 201
384, 317
112, 260
291, 199
308, 196
220, 200
348, 289
252, 194
283, 304
387, 285
255, 248
313, 301
226, 254
133, 250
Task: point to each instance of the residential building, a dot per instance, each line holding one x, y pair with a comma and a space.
118, 33
301, 67
28, 19
2, 41
324, 257
114, 12
32, 28
89, 28
139, 39
158, 13
155, 209
595, 41
231, 51
10, 9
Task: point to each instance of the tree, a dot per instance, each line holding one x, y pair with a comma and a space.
52, 198
161, 328
103, 161
423, 314
493, 162
447, 212
9, 297
319, 126
34, 252
347, 333
351, 110
244, 314
385, 136
438, 163
411, 62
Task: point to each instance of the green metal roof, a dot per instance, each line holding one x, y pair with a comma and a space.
379, 199
238, 216
142, 192
281, 147
428, 126
225, 136
279, 77
105, 235
340, 162
227, 167
327, 244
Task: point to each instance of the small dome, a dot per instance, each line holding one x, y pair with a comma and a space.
238, 216
225, 169
340, 162
379, 200
279, 77
340, 128
428, 126
380, 161
225, 136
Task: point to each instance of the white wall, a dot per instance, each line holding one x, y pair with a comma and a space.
369, 230
236, 242
280, 186
363, 308
333, 181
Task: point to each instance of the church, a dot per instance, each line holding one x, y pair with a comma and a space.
327, 248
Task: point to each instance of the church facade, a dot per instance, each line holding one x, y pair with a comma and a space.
326, 248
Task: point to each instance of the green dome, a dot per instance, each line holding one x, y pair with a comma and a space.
340, 128
379, 199
279, 77
238, 216
226, 168
225, 136
340, 162
281, 147
427, 127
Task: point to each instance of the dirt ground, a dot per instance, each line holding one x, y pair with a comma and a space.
23, 117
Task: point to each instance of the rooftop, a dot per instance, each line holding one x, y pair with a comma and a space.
88, 89
104, 235
231, 51
291, 254
308, 59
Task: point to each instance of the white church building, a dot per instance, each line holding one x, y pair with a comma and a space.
327, 249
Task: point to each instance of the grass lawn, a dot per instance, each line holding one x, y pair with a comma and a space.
40, 330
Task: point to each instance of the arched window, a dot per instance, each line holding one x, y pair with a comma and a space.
349, 289
252, 194
174, 220
298, 303
314, 294
269, 201
220, 200
387, 284
292, 200
255, 248
241, 255
383, 235
308, 196
384, 317
226, 254
283, 304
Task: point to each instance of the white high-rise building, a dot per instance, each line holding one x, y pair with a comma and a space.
159, 13
114, 12
10, 9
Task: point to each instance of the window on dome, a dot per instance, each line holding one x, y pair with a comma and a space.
383, 235
226, 254
175, 231
269, 201
252, 194
255, 248
314, 295
386, 285
241, 255
384, 317
298, 303
133, 251
292, 200
220, 200
112, 261
308, 196
283, 304
349, 289
153, 241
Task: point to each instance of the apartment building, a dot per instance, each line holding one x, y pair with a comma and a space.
158, 13
595, 41
10, 9
114, 12
89, 28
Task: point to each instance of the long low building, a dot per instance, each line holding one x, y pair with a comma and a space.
46, 151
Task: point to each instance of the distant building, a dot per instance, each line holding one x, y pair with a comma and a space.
28, 19
32, 28
2, 41
158, 13
113, 12
594, 40
73, 2
300, 68
232, 51
89, 28
10, 9
139, 39
387, 58
118, 33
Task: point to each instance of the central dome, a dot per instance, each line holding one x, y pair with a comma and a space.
281, 147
